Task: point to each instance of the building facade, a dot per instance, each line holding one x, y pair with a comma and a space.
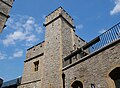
5, 6
64, 60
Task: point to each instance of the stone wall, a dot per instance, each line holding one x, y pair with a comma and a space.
52, 70
59, 41
30, 77
29, 73
58, 12
94, 68
5, 6
35, 51
3, 20
10, 2
36, 84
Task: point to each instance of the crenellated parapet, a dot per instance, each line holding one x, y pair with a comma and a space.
35, 51
59, 13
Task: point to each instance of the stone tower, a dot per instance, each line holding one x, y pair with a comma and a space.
5, 6
44, 61
58, 37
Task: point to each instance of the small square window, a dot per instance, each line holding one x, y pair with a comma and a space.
36, 65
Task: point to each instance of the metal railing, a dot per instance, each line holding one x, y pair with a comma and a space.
99, 42
107, 37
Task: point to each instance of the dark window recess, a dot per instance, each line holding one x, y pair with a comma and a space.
36, 65
34, 49
41, 45
74, 47
92, 85
115, 76
77, 84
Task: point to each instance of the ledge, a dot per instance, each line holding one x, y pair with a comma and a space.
92, 54
35, 45
83, 48
7, 16
30, 82
34, 57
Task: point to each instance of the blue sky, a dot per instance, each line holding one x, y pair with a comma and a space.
25, 27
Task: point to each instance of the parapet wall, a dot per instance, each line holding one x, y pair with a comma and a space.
57, 13
95, 68
35, 51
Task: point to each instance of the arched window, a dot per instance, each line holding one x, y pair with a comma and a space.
115, 76
77, 84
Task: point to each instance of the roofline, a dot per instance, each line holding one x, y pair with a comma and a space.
57, 9
35, 45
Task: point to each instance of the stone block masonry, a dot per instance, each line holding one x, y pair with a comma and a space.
45, 65
5, 6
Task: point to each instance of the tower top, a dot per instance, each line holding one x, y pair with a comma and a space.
60, 9
59, 12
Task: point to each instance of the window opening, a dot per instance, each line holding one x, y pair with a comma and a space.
77, 84
36, 65
115, 76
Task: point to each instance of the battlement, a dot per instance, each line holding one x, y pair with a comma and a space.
59, 12
35, 51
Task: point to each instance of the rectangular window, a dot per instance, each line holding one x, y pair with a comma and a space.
36, 65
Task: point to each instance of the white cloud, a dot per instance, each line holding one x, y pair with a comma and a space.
19, 36
102, 31
25, 29
79, 26
29, 25
2, 56
116, 9
18, 54
39, 30
31, 38
13, 37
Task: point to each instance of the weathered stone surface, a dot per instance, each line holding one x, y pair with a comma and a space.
35, 51
5, 6
10, 2
95, 69
61, 41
